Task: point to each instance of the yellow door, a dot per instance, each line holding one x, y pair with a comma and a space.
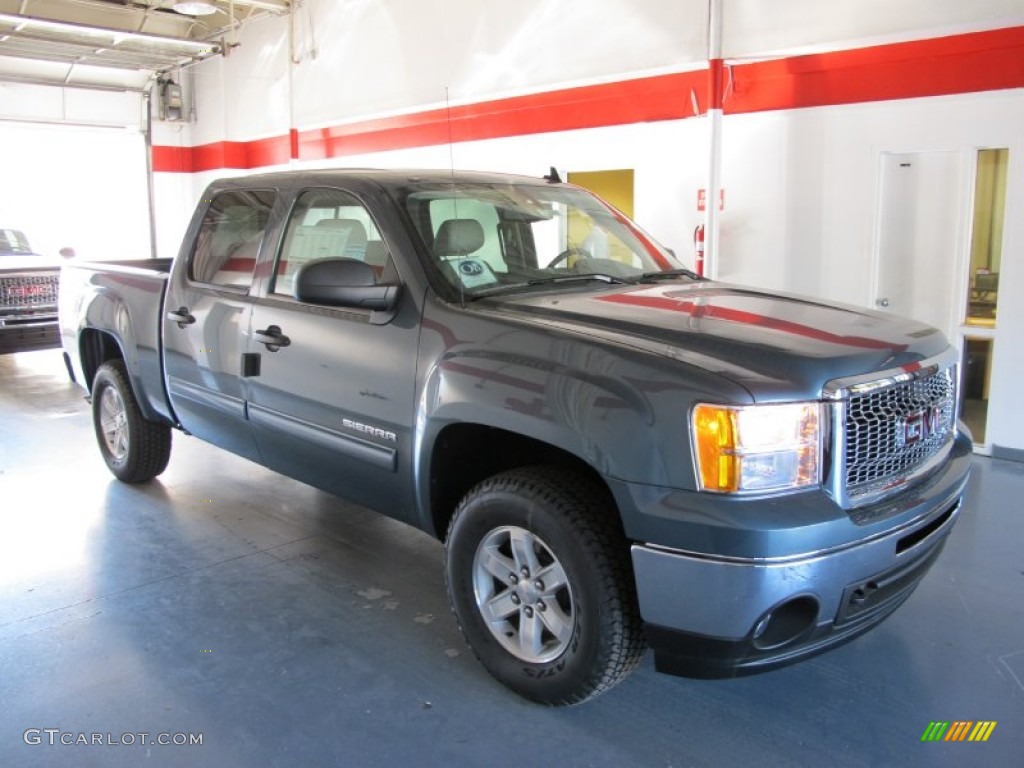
614, 187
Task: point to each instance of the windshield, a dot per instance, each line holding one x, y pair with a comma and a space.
13, 242
504, 238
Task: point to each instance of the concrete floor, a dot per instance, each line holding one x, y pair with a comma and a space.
290, 629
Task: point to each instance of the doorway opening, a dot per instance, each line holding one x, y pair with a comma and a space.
980, 305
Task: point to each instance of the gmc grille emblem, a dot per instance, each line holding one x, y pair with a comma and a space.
919, 426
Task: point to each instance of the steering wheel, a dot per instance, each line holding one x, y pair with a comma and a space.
573, 251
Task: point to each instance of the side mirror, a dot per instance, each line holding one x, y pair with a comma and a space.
344, 283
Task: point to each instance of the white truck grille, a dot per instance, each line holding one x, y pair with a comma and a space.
25, 291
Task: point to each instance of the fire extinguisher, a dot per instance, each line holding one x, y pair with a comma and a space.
698, 248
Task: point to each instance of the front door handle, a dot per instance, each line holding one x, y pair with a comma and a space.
272, 337
180, 316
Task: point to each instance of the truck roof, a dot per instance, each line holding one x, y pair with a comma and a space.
382, 176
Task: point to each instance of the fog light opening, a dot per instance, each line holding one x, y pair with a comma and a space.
785, 622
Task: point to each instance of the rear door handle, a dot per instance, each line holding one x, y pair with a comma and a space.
272, 337
180, 316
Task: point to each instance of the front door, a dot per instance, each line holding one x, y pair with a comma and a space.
331, 398
206, 320
919, 235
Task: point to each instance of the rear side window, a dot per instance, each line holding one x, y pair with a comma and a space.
229, 238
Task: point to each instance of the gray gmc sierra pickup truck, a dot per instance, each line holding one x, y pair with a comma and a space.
616, 452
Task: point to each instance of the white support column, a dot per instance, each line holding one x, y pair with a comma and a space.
715, 95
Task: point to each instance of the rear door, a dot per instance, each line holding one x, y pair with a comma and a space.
332, 402
206, 319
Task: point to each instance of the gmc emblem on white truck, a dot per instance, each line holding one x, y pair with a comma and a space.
918, 426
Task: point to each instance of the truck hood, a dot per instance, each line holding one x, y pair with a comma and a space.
23, 261
777, 346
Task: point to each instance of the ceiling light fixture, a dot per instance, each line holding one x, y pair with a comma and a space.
101, 34
195, 9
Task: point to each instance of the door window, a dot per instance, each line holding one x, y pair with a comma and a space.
978, 330
443, 210
327, 224
229, 238
987, 236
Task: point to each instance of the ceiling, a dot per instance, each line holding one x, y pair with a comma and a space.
114, 44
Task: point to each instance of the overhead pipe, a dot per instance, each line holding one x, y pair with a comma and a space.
147, 132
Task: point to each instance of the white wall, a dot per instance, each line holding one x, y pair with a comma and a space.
802, 186
366, 57
753, 28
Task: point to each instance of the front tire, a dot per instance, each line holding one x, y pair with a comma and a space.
135, 450
539, 578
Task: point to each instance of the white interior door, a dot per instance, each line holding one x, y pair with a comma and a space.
919, 236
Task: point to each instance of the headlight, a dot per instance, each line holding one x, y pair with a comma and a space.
757, 447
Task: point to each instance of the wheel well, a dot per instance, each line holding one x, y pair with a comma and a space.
466, 454
96, 348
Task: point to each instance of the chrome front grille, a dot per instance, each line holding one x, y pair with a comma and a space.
892, 431
892, 428
21, 291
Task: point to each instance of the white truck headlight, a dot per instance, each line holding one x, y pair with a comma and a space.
757, 447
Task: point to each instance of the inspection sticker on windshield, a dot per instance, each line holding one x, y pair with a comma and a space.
474, 273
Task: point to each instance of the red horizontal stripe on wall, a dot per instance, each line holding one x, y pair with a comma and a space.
172, 159
276, 150
979, 61
665, 97
223, 154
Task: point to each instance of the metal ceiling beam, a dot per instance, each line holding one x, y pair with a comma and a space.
107, 34
143, 7
113, 36
68, 53
75, 85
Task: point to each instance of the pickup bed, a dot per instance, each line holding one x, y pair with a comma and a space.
616, 452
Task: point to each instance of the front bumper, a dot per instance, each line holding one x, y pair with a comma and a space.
709, 615
24, 333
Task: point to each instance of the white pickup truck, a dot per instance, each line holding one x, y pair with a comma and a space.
28, 296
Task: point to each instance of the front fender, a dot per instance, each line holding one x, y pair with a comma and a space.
582, 412
621, 410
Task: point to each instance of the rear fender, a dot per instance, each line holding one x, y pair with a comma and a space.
132, 336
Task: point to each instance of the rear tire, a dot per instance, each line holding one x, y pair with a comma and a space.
134, 449
540, 580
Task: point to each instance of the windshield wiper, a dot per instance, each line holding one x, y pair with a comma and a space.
650, 277
573, 278
498, 289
